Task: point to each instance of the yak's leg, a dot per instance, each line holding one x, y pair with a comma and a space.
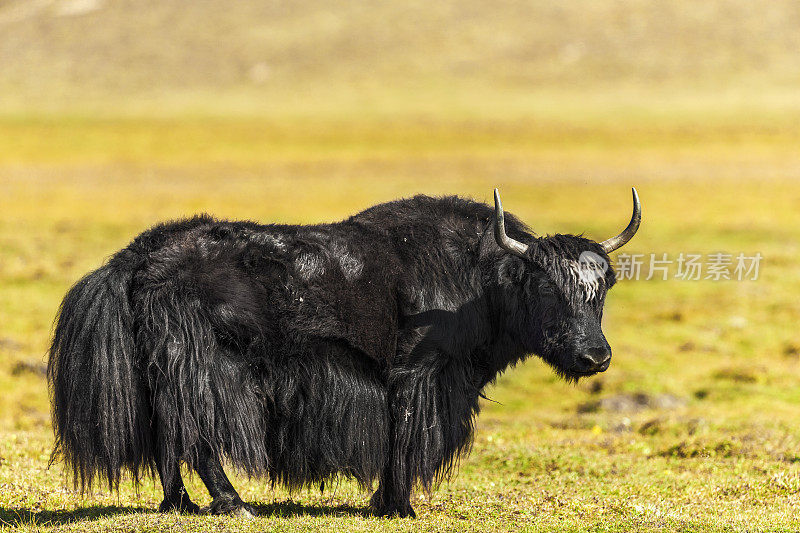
225, 498
393, 497
431, 408
175, 496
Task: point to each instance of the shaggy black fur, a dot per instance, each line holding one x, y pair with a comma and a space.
303, 352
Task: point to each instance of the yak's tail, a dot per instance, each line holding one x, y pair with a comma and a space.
99, 399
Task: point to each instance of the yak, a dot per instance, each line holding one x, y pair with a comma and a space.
299, 353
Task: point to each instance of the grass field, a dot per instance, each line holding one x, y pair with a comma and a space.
695, 427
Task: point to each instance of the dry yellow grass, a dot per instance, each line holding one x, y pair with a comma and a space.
726, 350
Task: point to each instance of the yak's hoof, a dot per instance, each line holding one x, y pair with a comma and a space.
402, 510
183, 505
232, 506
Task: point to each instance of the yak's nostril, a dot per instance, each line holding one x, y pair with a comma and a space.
587, 362
599, 355
595, 359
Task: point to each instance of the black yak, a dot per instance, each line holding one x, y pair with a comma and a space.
299, 353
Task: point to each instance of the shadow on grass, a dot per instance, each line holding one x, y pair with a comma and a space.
289, 508
17, 517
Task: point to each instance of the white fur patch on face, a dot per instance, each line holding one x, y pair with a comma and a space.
588, 272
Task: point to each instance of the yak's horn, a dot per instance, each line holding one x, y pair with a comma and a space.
615, 243
504, 241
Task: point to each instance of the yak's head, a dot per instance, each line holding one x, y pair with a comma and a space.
562, 283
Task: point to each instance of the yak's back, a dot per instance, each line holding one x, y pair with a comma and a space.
438, 242
278, 289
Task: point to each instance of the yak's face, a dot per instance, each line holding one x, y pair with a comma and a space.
563, 280
564, 285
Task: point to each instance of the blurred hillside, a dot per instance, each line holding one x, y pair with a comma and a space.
449, 57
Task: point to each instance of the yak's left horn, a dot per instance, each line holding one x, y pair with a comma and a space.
504, 241
615, 243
